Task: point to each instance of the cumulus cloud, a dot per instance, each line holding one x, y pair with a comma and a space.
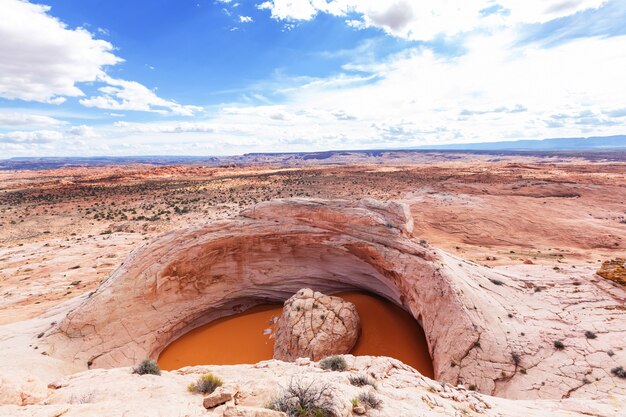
9, 119
41, 59
495, 91
82, 131
423, 20
33, 136
496, 88
130, 95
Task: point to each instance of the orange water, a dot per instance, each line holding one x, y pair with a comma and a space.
386, 330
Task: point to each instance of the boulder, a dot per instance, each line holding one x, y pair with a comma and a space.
614, 270
314, 325
218, 397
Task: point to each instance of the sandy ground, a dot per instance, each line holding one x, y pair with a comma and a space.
62, 231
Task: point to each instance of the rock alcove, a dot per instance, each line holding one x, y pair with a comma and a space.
190, 277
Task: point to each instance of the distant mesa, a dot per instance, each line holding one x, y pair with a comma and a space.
593, 148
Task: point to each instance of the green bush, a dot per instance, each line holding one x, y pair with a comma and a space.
334, 363
147, 367
206, 384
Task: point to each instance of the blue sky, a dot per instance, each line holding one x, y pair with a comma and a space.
215, 77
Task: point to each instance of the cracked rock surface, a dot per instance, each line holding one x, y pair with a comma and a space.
402, 391
314, 325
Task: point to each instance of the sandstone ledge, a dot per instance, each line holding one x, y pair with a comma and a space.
404, 392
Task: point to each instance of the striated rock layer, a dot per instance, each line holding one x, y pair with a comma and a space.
314, 325
491, 330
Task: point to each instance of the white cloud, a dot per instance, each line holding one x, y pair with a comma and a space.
83, 131
41, 59
34, 136
245, 19
496, 91
171, 127
289, 9
130, 95
541, 11
26, 119
423, 20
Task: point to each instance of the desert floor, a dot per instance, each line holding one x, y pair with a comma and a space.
62, 231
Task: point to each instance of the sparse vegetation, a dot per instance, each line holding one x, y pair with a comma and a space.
305, 399
361, 380
206, 384
334, 363
619, 372
590, 335
516, 358
559, 345
370, 400
147, 367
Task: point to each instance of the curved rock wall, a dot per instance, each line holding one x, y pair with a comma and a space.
189, 277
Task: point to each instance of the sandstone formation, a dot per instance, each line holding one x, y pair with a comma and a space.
315, 325
490, 329
220, 396
614, 270
403, 391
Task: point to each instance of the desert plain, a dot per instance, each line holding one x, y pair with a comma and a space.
518, 240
